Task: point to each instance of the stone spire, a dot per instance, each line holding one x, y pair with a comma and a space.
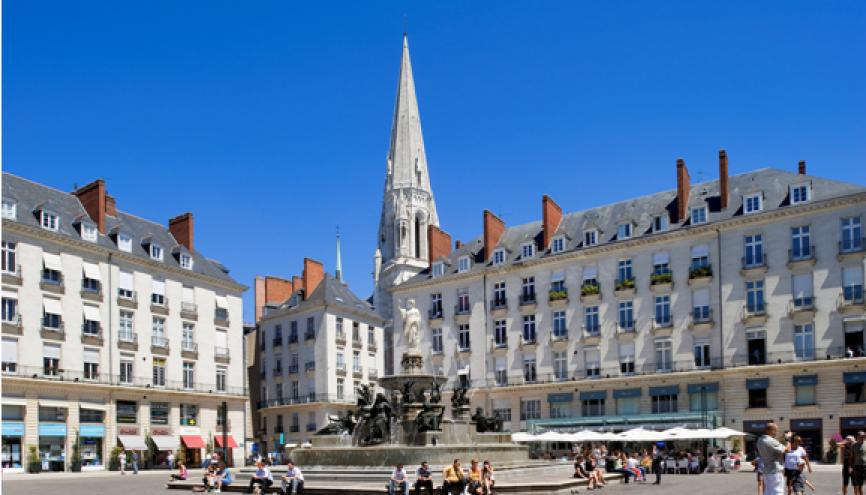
338, 272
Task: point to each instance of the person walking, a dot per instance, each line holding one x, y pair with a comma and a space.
657, 464
857, 460
122, 458
424, 479
293, 480
170, 460
845, 451
792, 461
772, 454
135, 458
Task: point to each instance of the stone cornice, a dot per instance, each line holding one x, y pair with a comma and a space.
97, 250
36, 383
631, 244
321, 305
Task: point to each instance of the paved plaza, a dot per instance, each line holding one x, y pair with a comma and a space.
826, 478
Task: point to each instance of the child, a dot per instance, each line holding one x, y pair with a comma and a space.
799, 480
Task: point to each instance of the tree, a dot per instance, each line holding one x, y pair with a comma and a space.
114, 458
34, 465
75, 461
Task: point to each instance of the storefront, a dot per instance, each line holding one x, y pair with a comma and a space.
52, 446
92, 446
192, 446
813, 438
755, 429
851, 425
13, 433
165, 444
232, 444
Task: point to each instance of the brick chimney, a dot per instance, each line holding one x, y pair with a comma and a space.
181, 228
551, 215
314, 272
458, 244
297, 283
439, 243
801, 167
110, 206
494, 227
723, 179
270, 290
92, 197
683, 189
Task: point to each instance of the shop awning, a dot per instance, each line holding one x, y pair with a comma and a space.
132, 442
165, 442
231, 441
192, 441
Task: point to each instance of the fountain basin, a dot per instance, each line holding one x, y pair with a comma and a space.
391, 455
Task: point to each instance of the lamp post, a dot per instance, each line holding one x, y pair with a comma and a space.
224, 412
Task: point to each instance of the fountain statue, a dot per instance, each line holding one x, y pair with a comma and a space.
484, 424
339, 425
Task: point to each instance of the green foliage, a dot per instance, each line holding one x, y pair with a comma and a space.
701, 271
75, 461
625, 284
34, 465
114, 458
589, 289
558, 295
660, 278
180, 456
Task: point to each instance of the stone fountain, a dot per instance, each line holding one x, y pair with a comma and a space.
406, 423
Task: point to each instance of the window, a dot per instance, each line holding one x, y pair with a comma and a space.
463, 264
49, 220
590, 320
91, 364
125, 285
10, 356
854, 388
158, 372
527, 290
51, 314
438, 269
627, 406
50, 359
527, 250
185, 261
558, 245
188, 415
592, 407
155, 251
127, 412
501, 371
852, 284
52, 413
341, 385
188, 375
560, 365
463, 301
758, 398
624, 272
529, 371
437, 340
528, 329
702, 354
664, 404
804, 391
311, 328
500, 333
530, 409
804, 342
592, 360
436, 305
10, 209
188, 342
852, 239
340, 332
341, 361
126, 364
752, 203
371, 336
664, 355
755, 297
801, 244
590, 238
463, 336
704, 400
499, 256
91, 416
663, 311
159, 413
626, 358
499, 294
124, 242
626, 315
699, 215
754, 250
559, 329
700, 257
10, 310
800, 193
356, 361
10, 264
660, 223
557, 284
560, 410
661, 267
623, 231
296, 391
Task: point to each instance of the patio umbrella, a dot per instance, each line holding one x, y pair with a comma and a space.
523, 437
724, 432
640, 435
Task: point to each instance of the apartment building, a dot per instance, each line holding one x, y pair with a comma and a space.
317, 343
116, 331
734, 301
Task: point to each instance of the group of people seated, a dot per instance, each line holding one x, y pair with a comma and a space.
477, 480
291, 483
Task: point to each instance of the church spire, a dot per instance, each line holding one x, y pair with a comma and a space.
338, 272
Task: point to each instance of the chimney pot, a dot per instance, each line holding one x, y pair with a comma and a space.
801, 168
683, 189
494, 227
314, 272
93, 199
551, 215
438, 242
723, 179
181, 228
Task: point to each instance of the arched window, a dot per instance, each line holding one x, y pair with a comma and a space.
417, 237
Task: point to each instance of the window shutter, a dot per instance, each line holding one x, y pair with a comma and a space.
125, 281
702, 250
51, 351
626, 350
701, 298
221, 339
802, 285
188, 295
52, 306
91, 271
501, 364
159, 287
52, 261
10, 350
91, 313
590, 273
852, 276
661, 258
91, 356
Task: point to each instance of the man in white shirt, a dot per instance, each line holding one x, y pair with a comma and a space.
293, 480
399, 482
772, 454
261, 477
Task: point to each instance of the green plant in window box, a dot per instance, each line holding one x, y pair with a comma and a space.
625, 284
701, 271
660, 278
589, 289
34, 465
558, 295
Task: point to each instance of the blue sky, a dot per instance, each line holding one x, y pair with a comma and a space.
270, 120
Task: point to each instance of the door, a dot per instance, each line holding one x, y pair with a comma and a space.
757, 351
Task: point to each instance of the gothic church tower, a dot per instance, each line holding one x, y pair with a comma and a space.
407, 203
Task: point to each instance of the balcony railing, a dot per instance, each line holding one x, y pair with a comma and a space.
462, 309
276, 372
625, 326
221, 352
499, 303
128, 337
700, 271
304, 399
157, 341
311, 426
805, 303
293, 339
661, 278
624, 284
293, 369
277, 342
310, 366
434, 313
557, 295
528, 299
852, 294
702, 314
592, 329
188, 346
308, 335
188, 310
663, 322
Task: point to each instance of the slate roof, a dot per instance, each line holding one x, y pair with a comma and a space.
773, 183
333, 293
30, 197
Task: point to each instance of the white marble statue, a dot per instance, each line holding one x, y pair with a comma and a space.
411, 324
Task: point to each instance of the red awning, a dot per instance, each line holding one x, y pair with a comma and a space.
219, 441
192, 441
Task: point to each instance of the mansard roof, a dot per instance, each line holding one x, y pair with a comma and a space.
330, 292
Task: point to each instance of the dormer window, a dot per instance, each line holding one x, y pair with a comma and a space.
155, 251
557, 245
800, 193
185, 261
699, 215
49, 220
527, 250
463, 264
660, 223
752, 203
623, 231
10, 209
88, 231
499, 256
590, 238
438, 269
124, 242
